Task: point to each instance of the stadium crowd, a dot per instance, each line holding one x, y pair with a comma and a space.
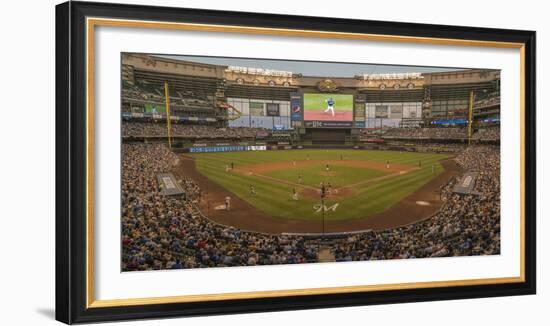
440, 148
490, 100
489, 133
153, 129
434, 133
492, 133
166, 232
149, 129
145, 93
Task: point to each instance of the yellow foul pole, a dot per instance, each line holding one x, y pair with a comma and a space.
470, 116
167, 96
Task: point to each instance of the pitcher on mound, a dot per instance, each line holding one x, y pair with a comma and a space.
330, 106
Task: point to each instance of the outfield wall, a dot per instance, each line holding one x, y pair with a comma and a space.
213, 147
240, 148
185, 145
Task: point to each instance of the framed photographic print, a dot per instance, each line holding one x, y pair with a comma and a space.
214, 162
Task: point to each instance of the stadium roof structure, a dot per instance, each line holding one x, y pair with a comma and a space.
310, 68
212, 77
303, 72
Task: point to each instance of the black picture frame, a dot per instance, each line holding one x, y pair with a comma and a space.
71, 157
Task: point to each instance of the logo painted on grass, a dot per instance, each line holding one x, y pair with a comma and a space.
319, 208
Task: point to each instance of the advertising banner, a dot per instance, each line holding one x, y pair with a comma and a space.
328, 124
450, 122
257, 148
360, 106
218, 149
296, 110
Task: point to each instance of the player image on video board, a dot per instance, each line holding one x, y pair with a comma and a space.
328, 107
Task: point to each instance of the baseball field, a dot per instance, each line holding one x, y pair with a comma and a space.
359, 183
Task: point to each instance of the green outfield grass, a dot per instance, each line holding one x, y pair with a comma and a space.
377, 190
317, 102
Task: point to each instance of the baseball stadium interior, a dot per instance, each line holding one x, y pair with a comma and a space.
180, 210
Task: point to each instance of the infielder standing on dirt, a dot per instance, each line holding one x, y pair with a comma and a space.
227, 203
323, 190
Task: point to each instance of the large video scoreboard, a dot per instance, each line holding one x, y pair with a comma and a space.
322, 110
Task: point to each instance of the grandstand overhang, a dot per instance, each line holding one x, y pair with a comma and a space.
157, 68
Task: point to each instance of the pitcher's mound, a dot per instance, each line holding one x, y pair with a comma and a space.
328, 174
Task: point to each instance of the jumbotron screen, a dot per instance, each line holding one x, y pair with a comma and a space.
328, 107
